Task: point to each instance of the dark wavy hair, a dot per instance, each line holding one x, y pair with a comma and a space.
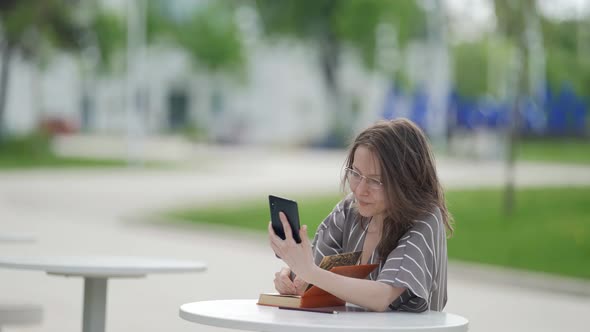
409, 177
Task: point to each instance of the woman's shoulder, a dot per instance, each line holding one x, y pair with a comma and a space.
429, 223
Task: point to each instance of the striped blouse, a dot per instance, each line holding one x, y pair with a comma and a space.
418, 263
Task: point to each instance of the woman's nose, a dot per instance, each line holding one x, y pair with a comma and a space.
362, 188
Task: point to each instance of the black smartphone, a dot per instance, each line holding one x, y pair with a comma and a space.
289, 208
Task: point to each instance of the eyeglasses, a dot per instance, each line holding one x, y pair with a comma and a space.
354, 179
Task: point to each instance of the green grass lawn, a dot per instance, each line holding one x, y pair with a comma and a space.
34, 151
549, 231
555, 150
11, 162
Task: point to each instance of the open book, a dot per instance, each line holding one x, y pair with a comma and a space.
314, 297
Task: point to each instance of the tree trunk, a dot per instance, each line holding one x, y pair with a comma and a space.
329, 61
329, 57
515, 120
36, 92
36, 86
509, 191
4, 81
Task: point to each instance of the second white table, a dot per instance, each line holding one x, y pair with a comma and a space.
96, 270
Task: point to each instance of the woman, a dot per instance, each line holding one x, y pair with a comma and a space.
396, 214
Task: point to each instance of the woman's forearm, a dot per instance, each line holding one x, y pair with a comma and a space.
369, 294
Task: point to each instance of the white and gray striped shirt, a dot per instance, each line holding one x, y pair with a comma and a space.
418, 262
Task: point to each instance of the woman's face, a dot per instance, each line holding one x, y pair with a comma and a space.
370, 199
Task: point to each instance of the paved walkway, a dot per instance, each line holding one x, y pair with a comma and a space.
97, 211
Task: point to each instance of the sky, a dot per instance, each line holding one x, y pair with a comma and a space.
565, 9
555, 9
470, 18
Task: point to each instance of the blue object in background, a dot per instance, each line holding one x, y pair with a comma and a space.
389, 104
579, 119
548, 114
419, 109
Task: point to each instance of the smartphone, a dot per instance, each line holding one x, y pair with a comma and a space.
289, 208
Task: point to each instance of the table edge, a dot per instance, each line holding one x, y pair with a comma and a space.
256, 326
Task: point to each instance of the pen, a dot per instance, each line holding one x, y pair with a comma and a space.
323, 311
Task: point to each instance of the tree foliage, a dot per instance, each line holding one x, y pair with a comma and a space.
566, 62
54, 20
27, 25
110, 36
212, 38
208, 33
330, 26
351, 22
561, 41
479, 66
357, 22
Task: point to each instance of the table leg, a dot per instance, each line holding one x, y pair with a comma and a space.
95, 300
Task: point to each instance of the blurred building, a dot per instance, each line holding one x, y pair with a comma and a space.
282, 99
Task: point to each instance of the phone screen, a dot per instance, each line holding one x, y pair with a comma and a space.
289, 208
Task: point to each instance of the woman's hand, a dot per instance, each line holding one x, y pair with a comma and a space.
285, 286
298, 256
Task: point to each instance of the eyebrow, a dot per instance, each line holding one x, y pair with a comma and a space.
367, 175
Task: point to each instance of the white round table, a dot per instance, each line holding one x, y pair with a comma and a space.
96, 270
247, 315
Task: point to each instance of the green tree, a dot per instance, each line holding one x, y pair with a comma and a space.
514, 18
331, 25
470, 58
480, 65
109, 35
26, 26
208, 34
212, 39
104, 41
567, 60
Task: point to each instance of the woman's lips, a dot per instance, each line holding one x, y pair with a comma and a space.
361, 203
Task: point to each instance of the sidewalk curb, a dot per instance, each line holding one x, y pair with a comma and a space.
519, 278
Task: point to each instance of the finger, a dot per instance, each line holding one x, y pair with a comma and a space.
299, 283
281, 288
291, 289
271, 231
287, 285
286, 226
285, 289
303, 235
300, 287
285, 273
278, 280
284, 285
272, 236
